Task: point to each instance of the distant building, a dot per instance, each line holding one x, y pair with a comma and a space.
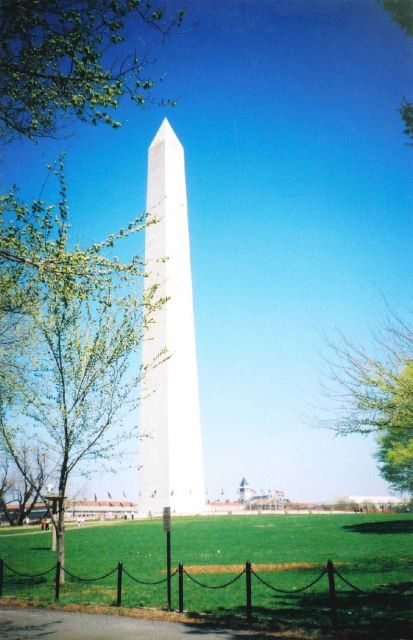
244, 491
270, 501
88, 509
96, 509
39, 511
224, 506
250, 499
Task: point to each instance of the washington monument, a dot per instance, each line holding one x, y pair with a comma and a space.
171, 466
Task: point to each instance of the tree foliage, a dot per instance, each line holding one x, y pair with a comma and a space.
54, 61
401, 11
374, 394
406, 111
395, 453
35, 254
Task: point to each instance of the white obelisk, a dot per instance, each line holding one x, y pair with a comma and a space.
171, 466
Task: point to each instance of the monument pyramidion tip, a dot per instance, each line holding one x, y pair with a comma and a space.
165, 133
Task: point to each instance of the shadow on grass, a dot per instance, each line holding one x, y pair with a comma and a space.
16, 584
379, 616
40, 548
389, 526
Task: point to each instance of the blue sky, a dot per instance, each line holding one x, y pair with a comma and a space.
300, 200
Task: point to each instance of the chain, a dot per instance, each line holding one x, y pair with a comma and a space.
311, 584
29, 575
80, 579
144, 581
210, 586
366, 593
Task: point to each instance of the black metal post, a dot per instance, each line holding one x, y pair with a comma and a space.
332, 590
248, 589
168, 569
57, 584
181, 587
1, 576
119, 595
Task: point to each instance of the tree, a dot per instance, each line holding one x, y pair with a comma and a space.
21, 488
73, 393
374, 394
20, 484
395, 453
56, 60
6, 481
401, 11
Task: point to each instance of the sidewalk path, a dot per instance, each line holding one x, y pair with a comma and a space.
29, 624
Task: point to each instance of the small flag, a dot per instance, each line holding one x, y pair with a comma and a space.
109, 496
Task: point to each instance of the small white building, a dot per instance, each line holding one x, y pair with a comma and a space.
100, 509
244, 491
87, 509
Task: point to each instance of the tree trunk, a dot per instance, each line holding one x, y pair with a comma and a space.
20, 517
6, 512
60, 539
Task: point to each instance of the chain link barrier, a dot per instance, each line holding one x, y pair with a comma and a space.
369, 593
213, 586
349, 584
80, 579
270, 586
29, 575
145, 581
207, 586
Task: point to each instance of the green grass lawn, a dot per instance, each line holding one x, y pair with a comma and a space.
372, 551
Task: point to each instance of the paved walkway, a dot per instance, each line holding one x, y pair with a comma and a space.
29, 624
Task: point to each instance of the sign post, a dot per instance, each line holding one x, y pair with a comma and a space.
167, 529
